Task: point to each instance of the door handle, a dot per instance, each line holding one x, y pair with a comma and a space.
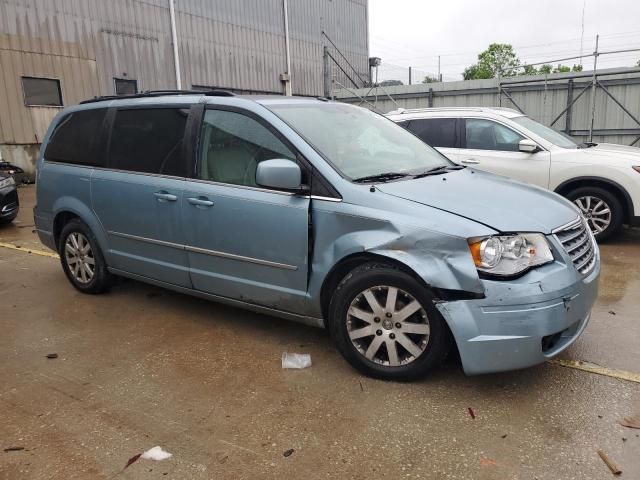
163, 196
200, 202
471, 160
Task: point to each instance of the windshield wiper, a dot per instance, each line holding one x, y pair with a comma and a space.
587, 145
439, 170
382, 177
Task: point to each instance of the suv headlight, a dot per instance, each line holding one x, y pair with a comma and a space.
5, 182
509, 255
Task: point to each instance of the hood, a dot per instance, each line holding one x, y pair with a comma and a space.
612, 151
497, 202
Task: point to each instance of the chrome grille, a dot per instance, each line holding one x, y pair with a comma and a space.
578, 242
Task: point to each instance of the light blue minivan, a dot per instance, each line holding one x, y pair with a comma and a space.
319, 212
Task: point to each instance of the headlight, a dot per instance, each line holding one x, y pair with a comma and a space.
509, 255
5, 182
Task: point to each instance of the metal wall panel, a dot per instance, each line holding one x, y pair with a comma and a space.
236, 44
543, 101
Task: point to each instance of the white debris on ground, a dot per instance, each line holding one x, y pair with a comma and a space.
156, 453
296, 360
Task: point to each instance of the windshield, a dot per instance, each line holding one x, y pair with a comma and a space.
549, 134
359, 143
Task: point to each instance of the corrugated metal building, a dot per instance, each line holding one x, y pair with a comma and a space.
56, 52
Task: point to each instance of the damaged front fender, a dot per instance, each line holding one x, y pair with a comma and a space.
441, 259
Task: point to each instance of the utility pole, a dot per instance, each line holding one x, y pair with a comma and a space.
287, 80
174, 40
594, 86
584, 6
327, 72
439, 74
409, 75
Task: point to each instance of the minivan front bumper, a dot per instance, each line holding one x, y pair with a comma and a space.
522, 322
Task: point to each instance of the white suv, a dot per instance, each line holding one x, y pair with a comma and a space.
603, 180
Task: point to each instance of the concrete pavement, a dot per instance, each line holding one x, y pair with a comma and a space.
141, 366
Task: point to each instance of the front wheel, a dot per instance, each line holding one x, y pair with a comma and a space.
385, 324
601, 209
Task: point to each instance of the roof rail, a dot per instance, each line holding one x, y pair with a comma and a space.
433, 109
161, 93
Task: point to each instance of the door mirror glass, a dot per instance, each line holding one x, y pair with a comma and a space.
279, 173
528, 146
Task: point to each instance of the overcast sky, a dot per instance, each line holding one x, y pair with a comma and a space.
415, 32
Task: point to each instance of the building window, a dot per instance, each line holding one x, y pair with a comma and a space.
40, 92
125, 86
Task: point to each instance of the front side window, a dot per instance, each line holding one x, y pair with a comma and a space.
437, 132
39, 92
488, 135
75, 138
232, 145
358, 142
149, 141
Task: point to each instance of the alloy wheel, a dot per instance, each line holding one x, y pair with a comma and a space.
596, 211
388, 326
79, 258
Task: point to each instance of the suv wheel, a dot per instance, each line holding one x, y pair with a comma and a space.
82, 260
601, 208
385, 324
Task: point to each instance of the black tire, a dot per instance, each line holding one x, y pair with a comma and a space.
8, 220
370, 275
611, 201
101, 279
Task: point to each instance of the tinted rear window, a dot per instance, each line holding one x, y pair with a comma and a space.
437, 132
76, 137
149, 141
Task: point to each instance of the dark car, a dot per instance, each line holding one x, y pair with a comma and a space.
16, 172
9, 203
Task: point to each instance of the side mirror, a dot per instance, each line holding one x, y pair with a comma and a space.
279, 173
528, 146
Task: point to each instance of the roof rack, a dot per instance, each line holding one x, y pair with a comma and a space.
162, 93
433, 109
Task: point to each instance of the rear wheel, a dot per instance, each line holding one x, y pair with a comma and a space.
601, 208
385, 324
82, 259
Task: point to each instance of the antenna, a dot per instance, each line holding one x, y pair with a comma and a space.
584, 6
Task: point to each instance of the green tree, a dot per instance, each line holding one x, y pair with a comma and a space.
497, 60
638, 64
561, 69
576, 68
391, 83
476, 72
529, 70
429, 79
544, 69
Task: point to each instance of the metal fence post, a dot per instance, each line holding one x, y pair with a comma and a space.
594, 86
430, 97
567, 118
327, 75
